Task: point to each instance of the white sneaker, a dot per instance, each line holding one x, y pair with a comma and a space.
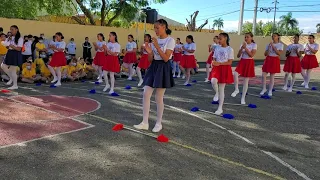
13, 87
129, 78
100, 80
243, 101
302, 84
185, 83
111, 91
174, 75
57, 84
178, 76
9, 82
206, 80
140, 83
218, 112
183, 77
270, 93
216, 97
306, 86
285, 87
263, 91
157, 128
55, 79
290, 89
142, 126
235, 93
98, 77
106, 87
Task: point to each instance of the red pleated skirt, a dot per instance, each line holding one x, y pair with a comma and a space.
271, 65
177, 57
144, 62
58, 59
130, 58
245, 68
111, 64
223, 73
210, 58
292, 65
99, 59
188, 61
309, 62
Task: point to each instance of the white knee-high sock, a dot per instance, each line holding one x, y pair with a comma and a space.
293, 80
208, 70
147, 93
178, 67
236, 81
188, 75
59, 74
5, 68
105, 75
303, 74
308, 77
174, 68
53, 72
271, 84
214, 83
131, 70
139, 73
264, 81
160, 105
221, 95
183, 70
286, 77
112, 81
244, 89
13, 73
100, 72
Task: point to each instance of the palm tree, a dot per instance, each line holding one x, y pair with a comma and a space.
318, 28
218, 23
288, 22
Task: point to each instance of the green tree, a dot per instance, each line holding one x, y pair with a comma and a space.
288, 23
247, 27
218, 23
318, 28
267, 29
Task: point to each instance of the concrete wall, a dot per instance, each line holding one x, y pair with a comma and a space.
79, 32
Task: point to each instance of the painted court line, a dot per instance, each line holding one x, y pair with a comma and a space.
221, 127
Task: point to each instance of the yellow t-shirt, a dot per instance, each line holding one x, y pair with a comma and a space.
45, 72
39, 62
18, 69
40, 46
79, 67
3, 49
24, 65
71, 69
28, 73
87, 68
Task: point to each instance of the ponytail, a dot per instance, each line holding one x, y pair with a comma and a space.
18, 35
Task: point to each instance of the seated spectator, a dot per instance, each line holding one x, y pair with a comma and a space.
29, 73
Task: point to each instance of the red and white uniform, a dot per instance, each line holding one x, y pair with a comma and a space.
223, 72
100, 57
292, 64
245, 67
58, 58
309, 61
130, 56
272, 62
144, 61
177, 56
210, 57
111, 63
188, 59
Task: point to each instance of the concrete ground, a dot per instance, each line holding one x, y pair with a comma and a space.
280, 139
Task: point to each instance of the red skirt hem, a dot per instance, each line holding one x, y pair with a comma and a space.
144, 62
292, 65
210, 58
111, 64
99, 59
223, 73
177, 57
309, 62
271, 65
188, 61
130, 58
58, 60
245, 68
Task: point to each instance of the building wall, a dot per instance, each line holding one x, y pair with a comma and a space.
79, 32
170, 22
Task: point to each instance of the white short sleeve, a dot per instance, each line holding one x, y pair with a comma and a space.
267, 47
134, 45
316, 47
255, 46
117, 48
62, 45
230, 53
170, 44
20, 42
193, 46
280, 47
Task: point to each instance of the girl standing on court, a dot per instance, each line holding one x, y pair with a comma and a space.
100, 57
111, 64
245, 67
58, 58
271, 63
177, 56
309, 60
144, 62
188, 62
159, 75
221, 73
13, 58
209, 60
292, 64
130, 57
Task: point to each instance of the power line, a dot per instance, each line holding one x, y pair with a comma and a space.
285, 11
218, 15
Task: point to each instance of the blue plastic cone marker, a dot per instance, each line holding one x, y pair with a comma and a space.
38, 84
194, 81
215, 102
314, 88
299, 92
92, 91
128, 87
228, 116
188, 85
52, 86
96, 82
133, 79
273, 90
83, 81
265, 97
114, 94
252, 106
194, 109
175, 77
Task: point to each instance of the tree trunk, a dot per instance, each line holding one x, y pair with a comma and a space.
78, 20
200, 27
103, 13
118, 12
193, 21
86, 11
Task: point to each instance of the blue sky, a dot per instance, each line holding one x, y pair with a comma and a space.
179, 10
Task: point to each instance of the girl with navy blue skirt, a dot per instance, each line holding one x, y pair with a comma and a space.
13, 59
159, 75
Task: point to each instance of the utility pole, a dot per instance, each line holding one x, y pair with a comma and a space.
274, 16
241, 17
254, 27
